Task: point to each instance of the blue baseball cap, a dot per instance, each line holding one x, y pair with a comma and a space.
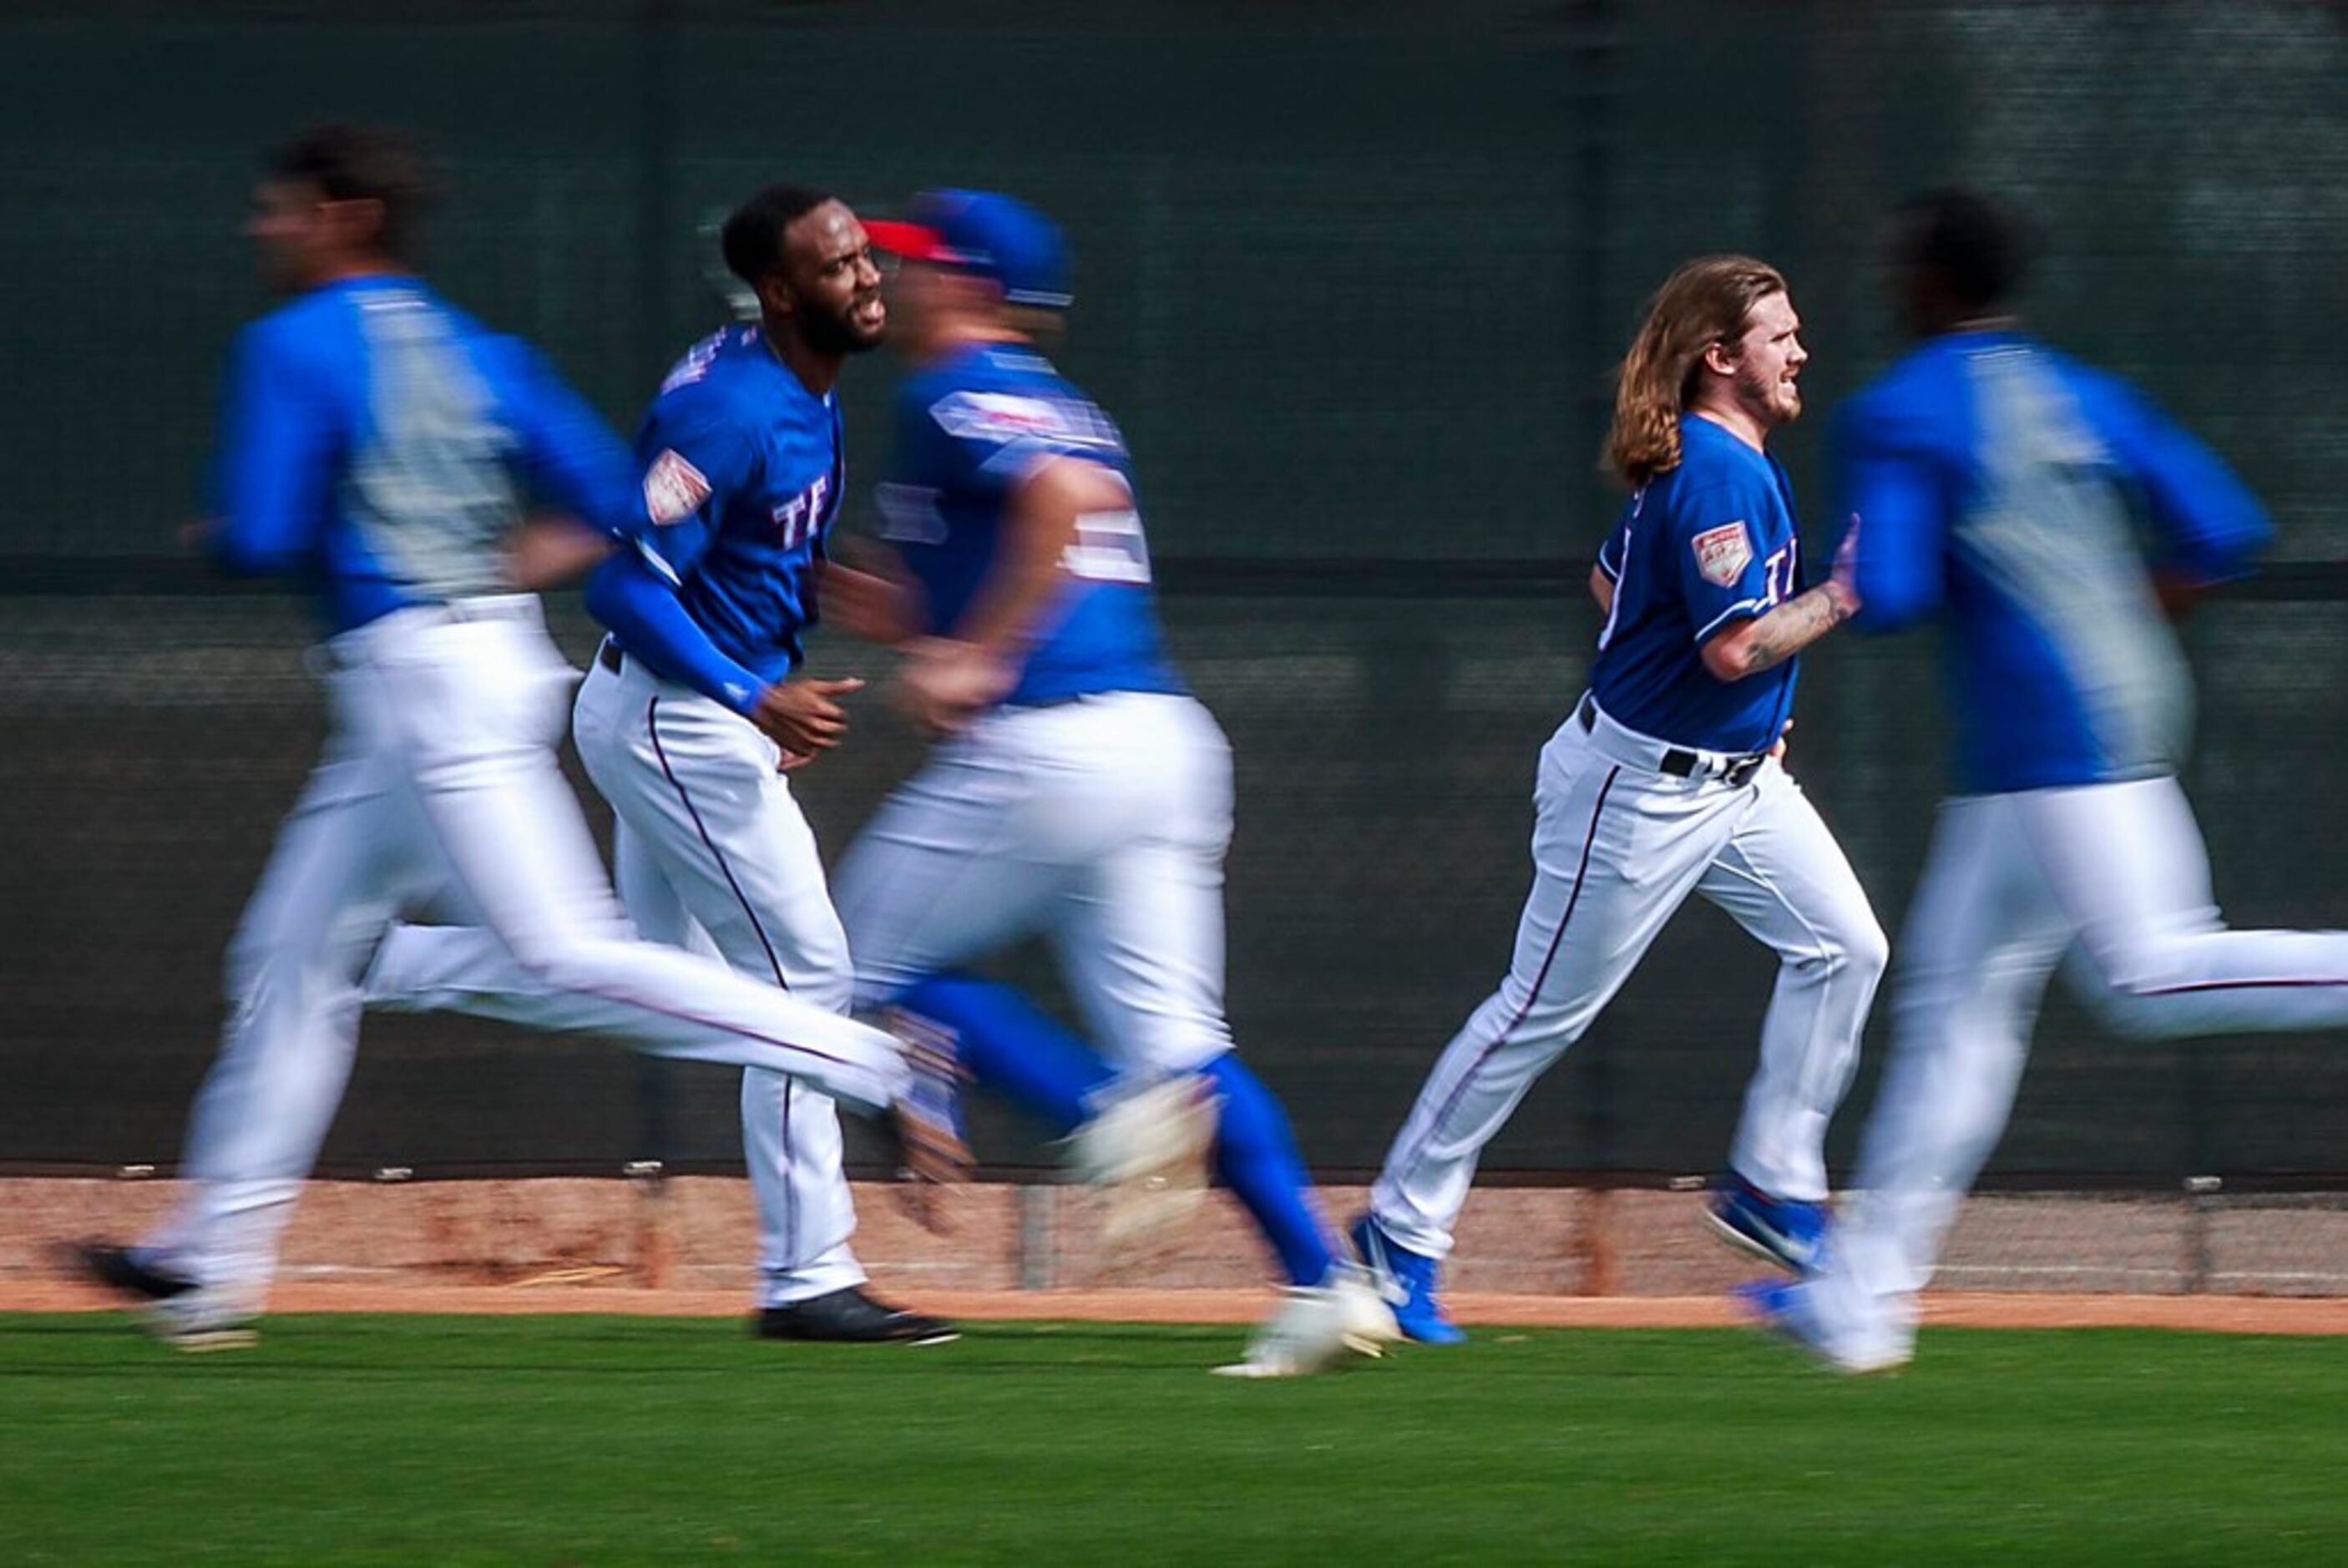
985, 233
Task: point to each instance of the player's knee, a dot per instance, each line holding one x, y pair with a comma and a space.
1854, 950
824, 977
1866, 949
2137, 988
1524, 1015
560, 960
2140, 1006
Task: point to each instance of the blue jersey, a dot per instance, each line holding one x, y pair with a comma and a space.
1699, 548
741, 475
381, 444
968, 429
2001, 484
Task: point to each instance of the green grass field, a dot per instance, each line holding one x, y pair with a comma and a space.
609, 1439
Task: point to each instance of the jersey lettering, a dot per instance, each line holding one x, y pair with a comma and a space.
798, 517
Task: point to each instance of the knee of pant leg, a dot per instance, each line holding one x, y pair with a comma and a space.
2137, 1009
561, 961
2136, 989
1858, 950
825, 976
337, 950
1867, 949
1527, 1015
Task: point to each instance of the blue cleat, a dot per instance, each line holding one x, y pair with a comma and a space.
1407, 1280
1785, 1231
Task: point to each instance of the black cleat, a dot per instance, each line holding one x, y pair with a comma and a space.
118, 1269
847, 1316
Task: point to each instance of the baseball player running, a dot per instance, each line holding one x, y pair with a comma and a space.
377, 442
690, 711
2000, 485
1665, 780
1077, 788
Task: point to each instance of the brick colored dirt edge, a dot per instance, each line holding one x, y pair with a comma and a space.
2232, 1314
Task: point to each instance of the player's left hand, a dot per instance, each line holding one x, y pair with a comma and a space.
799, 716
1844, 574
946, 684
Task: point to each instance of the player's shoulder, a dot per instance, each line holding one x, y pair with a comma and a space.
1909, 399
1002, 395
2098, 390
308, 328
705, 383
711, 370
1713, 461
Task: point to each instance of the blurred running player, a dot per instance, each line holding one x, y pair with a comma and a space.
1999, 486
1077, 788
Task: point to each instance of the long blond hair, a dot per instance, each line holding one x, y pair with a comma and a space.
1709, 299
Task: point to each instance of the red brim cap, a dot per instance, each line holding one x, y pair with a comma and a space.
914, 241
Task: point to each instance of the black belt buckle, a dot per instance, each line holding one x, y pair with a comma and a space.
1740, 772
608, 655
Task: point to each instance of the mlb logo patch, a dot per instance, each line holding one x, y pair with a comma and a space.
1723, 553
673, 489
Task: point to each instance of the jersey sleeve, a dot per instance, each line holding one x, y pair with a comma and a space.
994, 437
1611, 550
2208, 522
570, 456
624, 594
1723, 574
692, 459
280, 432
1896, 496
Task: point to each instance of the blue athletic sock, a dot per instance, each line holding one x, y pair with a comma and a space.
1255, 1155
1015, 1049
1012, 1046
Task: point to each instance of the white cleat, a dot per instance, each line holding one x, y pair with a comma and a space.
1147, 1153
1320, 1328
213, 1317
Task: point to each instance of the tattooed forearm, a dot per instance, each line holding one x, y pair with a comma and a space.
1789, 629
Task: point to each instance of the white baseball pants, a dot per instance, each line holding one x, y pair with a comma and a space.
439, 789
1102, 822
712, 844
1618, 846
2013, 882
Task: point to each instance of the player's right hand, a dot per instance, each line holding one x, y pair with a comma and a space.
945, 684
800, 716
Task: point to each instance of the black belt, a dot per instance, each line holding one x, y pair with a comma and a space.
1681, 763
608, 655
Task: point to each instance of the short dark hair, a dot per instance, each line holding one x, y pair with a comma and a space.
752, 239
1976, 247
362, 163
